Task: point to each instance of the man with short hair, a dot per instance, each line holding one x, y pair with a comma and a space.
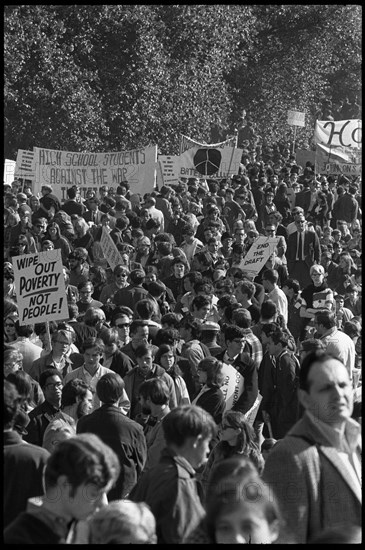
170, 488
337, 342
72, 492
50, 381
30, 351
242, 361
270, 281
86, 300
92, 370
139, 334
72, 206
131, 294
315, 470
304, 250
61, 340
79, 272
123, 435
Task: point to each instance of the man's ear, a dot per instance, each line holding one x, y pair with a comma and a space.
304, 398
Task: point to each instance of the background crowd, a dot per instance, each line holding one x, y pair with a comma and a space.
139, 362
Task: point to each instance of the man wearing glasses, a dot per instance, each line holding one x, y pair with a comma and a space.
51, 384
120, 280
303, 251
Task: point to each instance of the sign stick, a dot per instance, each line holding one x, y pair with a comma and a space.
295, 133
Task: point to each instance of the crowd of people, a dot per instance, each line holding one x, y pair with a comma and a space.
116, 425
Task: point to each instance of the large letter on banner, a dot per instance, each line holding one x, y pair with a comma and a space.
258, 254
339, 133
40, 287
62, 169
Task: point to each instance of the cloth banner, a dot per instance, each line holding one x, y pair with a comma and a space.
40, 287
339, 133
258, 254
232, 389
62, 169
338, 160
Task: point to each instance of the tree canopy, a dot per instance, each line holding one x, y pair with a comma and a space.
116, 77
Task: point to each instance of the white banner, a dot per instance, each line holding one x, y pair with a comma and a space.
25, 165
233, 385
339, 133
9, 168
111, 253
338, 160
232, 389
62, 169
258, 254
296, 118
40, 287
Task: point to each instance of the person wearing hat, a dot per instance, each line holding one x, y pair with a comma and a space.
209, 335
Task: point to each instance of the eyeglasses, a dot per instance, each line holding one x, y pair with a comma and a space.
121, 325
227, 427
55, 386
9, 325
62, 342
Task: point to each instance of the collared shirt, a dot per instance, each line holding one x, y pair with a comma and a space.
229, 360
346, 441
92, 380
256, 347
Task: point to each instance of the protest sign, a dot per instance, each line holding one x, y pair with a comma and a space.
232, 389
338, 160
9, 167
109, 248
339, 133
90, 171
258, 254
40, 287
296, 118
201, 159
24, 167
233, 385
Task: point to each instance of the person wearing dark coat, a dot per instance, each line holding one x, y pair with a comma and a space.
21, 461
123, 435
131, 294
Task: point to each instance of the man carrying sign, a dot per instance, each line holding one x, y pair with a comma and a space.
233, 355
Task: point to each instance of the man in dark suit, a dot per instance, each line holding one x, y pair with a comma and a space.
123, 435
303, 251
93, 214
303, 198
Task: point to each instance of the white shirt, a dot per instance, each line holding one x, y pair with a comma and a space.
281, 301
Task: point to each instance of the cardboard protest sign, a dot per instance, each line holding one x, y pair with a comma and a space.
90, 171
40, 287
24, 167
258, 254
111, 253
296, 118
232, 389
9, 167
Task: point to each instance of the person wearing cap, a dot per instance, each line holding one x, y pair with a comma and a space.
209, 335
303, 251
